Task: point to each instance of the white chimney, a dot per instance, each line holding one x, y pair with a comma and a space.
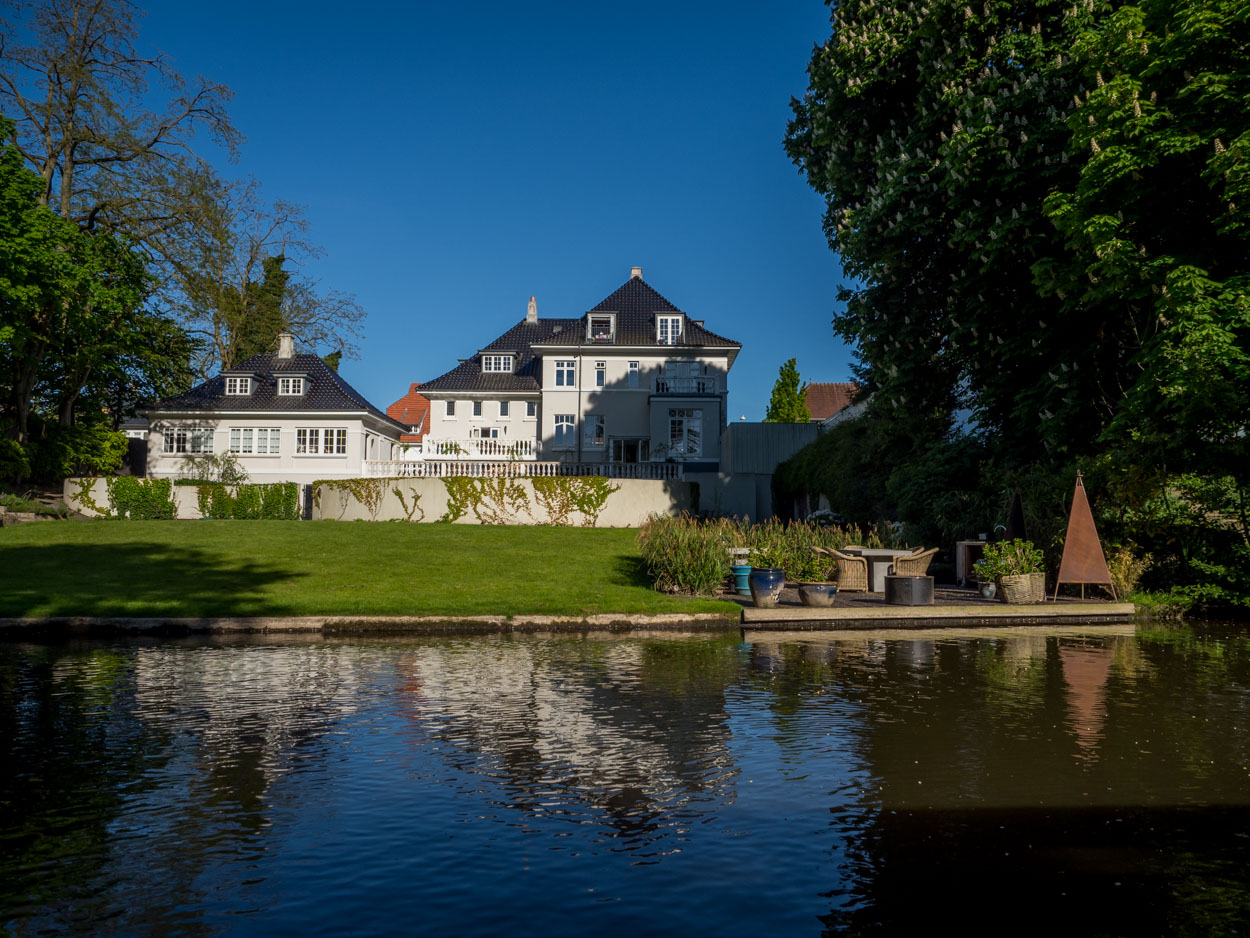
531, 312
286, 345
635, 273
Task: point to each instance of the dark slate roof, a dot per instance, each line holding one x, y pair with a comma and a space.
468, 376
635, 304
324, 390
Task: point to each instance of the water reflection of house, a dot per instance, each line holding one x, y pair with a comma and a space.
575, 730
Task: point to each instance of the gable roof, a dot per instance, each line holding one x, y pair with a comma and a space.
826, 398
412, 410
324, 390
635, 304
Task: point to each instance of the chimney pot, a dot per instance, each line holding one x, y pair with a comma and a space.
635, 273
531, 312
286, 345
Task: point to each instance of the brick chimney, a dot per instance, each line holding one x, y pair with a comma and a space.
635, 273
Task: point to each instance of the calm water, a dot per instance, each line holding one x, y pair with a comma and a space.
1011, 783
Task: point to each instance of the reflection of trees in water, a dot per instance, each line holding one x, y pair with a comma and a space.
623, 732
1077, 770
160, 757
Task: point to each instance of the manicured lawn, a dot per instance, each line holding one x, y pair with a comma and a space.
252, 568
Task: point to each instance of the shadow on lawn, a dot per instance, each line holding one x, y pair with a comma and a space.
630, 571
140, 580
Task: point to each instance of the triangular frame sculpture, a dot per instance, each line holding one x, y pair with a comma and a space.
1083, 560
1015, 519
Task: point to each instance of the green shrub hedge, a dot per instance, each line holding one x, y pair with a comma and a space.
278, 501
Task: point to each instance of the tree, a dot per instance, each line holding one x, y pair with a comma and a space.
788, 403
234, 292
72, 78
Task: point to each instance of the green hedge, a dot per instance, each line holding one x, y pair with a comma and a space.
141, 499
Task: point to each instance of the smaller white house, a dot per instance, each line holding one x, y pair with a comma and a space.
285, 417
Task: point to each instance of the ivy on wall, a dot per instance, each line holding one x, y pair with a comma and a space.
492, 501
140, 499
416, 502
278, 501
559, 496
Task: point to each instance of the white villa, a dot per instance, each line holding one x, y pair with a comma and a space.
285, 417
634, 388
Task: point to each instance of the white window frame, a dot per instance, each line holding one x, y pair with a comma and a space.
685, 431
450, 411
255, 441
633, 374
505, 410
497, 364
290, 387
565, 436
178, 441
321, 441
477, 409
566, 374
238, 387
668, 329
601, 374
531, 408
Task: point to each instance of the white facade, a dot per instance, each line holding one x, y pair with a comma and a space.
276, 447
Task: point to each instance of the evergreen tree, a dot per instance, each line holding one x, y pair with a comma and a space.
788, 403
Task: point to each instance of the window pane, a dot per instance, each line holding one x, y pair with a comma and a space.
503, 408
531, 408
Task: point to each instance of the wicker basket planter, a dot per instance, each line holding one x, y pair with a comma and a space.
1022, 589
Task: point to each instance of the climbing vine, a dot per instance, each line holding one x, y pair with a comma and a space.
416, 503
559, 496
369, 492
276, 502
141, 499
493, 501
87, 500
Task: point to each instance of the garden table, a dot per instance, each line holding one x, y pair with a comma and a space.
879, 560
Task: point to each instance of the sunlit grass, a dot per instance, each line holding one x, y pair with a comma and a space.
253, 568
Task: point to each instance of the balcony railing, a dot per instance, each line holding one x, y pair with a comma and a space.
414, 469
707, 385
478, 448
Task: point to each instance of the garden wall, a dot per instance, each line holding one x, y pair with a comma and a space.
573, 500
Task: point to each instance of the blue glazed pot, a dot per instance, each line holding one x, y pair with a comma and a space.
766, 584
742, 576
817, 594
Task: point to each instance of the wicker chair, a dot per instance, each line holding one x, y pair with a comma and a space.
914, 564
852, 575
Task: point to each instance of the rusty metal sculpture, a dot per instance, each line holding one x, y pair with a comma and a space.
1083, 560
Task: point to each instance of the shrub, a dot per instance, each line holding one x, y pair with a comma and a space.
1126, 569
14, 461
278, 501
80, 450
683, 556
141, 499
1009, 558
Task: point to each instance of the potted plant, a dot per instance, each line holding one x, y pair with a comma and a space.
768, 575
811, 571
1017, 570
741, 569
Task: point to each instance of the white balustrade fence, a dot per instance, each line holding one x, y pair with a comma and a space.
413, 469
477, 448
708, 385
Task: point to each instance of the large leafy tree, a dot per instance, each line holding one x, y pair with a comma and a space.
1043, 209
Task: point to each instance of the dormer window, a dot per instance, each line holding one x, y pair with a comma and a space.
668, 329
290, 387
497, 363
600, 327
237, 387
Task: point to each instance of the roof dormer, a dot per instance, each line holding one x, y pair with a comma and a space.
600, 327
239, 385
497, 362
669, 328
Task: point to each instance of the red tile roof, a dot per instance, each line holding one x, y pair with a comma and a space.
824, 399
412, 410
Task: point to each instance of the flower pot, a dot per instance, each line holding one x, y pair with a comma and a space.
817, 594
988, 589
742, 576
1022, 589
905, 590
766, 584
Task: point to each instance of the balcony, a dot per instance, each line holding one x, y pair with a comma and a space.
706, 385
499, 448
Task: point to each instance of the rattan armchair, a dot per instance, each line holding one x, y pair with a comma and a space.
852, 572
914, 564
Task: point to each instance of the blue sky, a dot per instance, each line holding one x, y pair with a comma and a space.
456, 158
